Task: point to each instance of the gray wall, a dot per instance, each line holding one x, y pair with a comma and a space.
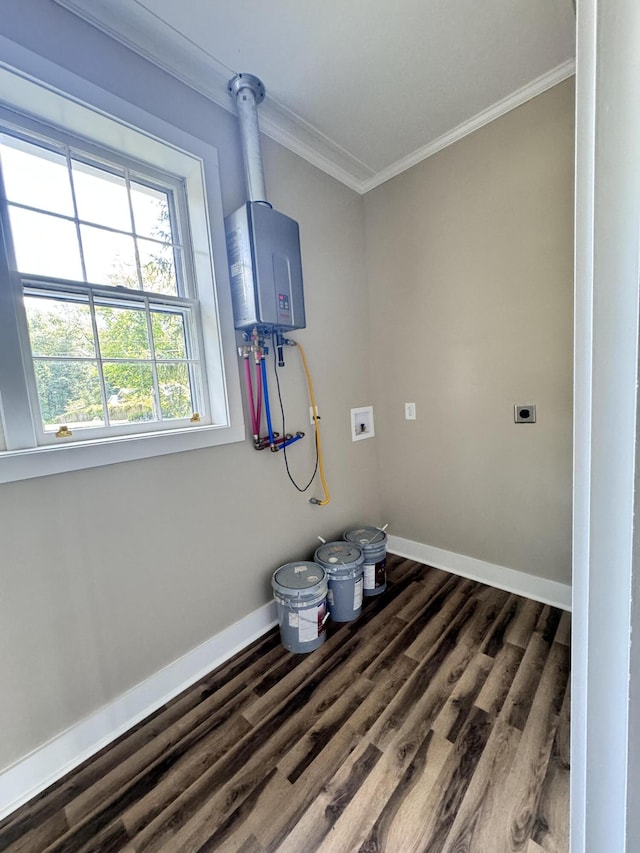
469, 258
111, 573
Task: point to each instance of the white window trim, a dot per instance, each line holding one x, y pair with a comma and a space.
68, 101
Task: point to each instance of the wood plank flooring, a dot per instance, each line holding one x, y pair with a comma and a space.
437, 722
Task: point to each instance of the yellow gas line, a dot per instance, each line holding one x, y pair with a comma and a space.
327, 496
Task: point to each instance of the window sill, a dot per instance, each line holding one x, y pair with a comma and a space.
43, 461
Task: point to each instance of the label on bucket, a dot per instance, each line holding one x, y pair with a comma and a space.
357, 594
369, 575
311, 623
375, 574
330, 597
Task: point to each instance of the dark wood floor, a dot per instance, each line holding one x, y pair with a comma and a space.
437, 722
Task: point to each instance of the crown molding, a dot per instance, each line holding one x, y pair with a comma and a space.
133, 25
515, 99
137, 28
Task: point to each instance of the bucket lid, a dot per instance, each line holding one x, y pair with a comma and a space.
302, 575
339, 555
365, 536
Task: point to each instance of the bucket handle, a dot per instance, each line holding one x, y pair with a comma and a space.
311, 621
340, 558
375, 536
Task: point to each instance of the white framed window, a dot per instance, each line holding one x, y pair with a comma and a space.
111, 338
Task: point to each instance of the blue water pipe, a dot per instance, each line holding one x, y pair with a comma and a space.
291, 440
267, 407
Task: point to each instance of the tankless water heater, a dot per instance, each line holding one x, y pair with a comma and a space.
265, 268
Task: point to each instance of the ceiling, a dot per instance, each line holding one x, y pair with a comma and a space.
363, 89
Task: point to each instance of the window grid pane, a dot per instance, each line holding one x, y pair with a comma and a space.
35, 175
131, 395
176, 390
169, 335
45, 244
60, 328
69, 393
101, 196
154, 377
151, 212
96, 338
157, 263
109, 257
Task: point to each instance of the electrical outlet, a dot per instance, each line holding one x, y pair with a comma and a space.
311, 420
524, 413
409, 411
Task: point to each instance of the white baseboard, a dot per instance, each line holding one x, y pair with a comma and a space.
49, 762
521, 583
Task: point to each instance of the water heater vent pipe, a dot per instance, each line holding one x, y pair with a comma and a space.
248, 92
